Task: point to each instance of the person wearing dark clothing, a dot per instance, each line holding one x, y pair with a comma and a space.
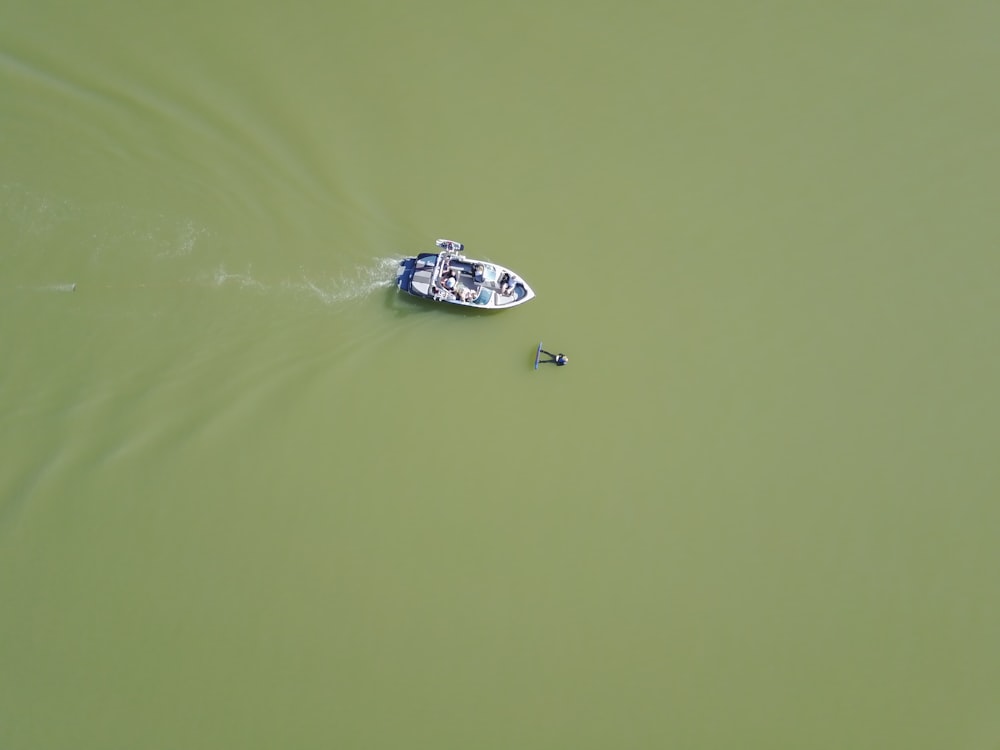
556, 359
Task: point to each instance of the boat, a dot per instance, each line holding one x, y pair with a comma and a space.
449, 276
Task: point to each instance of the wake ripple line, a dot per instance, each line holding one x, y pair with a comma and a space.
379, 274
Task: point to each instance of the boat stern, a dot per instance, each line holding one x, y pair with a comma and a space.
404, 274
414, 275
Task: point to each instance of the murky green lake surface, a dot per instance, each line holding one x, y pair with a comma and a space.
252, 497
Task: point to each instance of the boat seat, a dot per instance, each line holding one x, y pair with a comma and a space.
421, 282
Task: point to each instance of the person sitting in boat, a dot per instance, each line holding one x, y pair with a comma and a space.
508, 283
450, 281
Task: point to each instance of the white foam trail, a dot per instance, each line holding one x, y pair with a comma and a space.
33, 213
180, 239
243, 280
55, 288
379, 274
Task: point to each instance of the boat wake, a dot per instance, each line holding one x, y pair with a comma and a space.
379, 274
53, 288
145, 243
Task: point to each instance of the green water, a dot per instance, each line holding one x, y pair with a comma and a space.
251, 497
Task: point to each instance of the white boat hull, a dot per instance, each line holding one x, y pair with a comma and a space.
449, 276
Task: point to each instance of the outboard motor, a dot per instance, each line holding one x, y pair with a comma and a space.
455, 247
